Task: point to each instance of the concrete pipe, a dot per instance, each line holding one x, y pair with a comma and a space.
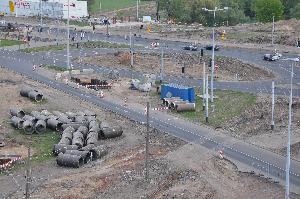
60, 148
54, 125
25, 91
78, 141
68, 133
81, 119
17, 122
92, 138
17, 112
173, 104
40, 126
94, 126
68, 160
64, 119
65, 141
38, 115
84, 154
34, 95
84, 130
185, 107
71, 115
165, 100
88, 147
98, 152
30, 118
28, 127
104, 125
53, 117
73, 125
79, 113
111, 132
90, 118
57, 113
46, 112
169, 101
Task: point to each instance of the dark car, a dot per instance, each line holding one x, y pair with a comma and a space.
191, 48
210, 47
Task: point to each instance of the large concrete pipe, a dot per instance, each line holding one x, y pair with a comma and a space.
53, 117
54, 125
78, 139
46, 112
68, 133
173, 104
90, 118
94, 126
57, 113
17, 122
39, 116
111, 132
80, 113
87, 147
68, 160
25, 91
104, 125
92, 138
169, 101
98, 152
28, 127
30, 118
71, 115
81, 119
84, 154
73, 125
17, 112
34, 95
64, 119
40, 126
60, 148
65, 141
84, 130
185, 107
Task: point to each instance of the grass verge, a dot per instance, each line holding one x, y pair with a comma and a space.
9, 42
53, 67
44, 48
102, 44
229, 104
108, 5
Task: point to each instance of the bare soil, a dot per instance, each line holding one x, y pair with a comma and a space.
175, 170
229, 69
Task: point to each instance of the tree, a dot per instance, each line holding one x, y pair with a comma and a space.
266, 9
295, 11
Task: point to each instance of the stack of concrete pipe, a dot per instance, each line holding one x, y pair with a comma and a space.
32, 94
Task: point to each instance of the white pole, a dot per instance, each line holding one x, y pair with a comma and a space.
206, 97
41, 13
100, 6
288, 158
137, 10
203, 87
131, 50
213, 65
68, 39
273, 104
273, 29
162, 64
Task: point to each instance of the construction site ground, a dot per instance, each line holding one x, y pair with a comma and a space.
229, 69
177, 169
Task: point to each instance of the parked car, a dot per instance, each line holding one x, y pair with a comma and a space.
210, 47
191, 47
272, 57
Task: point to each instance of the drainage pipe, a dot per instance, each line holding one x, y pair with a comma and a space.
17, 112
54, 125
17, 122
34, 95
61, 148
185, 107
40, 126
68, 160
111, 132
28, 127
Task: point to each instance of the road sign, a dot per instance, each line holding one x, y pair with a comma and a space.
11, 6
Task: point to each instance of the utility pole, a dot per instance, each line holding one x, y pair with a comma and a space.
131, 50
162, 64
203, 87
41, 10
28, 175
68, 40
137, 10
206, 100
100, 5
147, 145
273, 104
273, 29
213, 53
288, 157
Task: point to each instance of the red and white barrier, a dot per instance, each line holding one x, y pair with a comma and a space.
101, 94
33, 67
156, 109
221, 154
125, 101
9, 163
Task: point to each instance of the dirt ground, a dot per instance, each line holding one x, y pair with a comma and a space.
173, 63
175, 171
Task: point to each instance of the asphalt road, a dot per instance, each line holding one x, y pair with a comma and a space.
257, 158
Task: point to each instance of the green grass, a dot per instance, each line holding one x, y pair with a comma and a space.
53, 67
9, 42
41, 145
229, 104
44, 48
109, 5
77, 23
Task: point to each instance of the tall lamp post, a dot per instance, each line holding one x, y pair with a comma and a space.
213, 51
288, 158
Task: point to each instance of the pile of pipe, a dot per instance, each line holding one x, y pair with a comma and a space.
78, 144
32, 94
178, 104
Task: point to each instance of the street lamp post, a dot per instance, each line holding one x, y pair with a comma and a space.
41, 13
137, 10
288, 158
68, 39
213, 52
